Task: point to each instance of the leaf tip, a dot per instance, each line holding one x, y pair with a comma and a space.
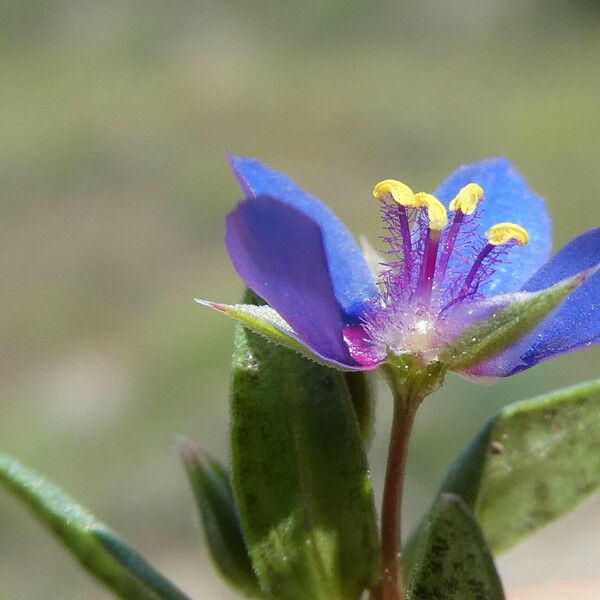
191, 454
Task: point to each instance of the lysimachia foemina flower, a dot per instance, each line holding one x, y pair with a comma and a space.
475, 248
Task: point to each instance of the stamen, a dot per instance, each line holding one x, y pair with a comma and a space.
449, 245
426, 276
436, 211
502, 233
406, 241
399, 191
466, 288
438, 219
404, 197
467, 199
464, 203
497, 235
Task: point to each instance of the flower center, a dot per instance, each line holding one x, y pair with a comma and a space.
421, 335
435, 263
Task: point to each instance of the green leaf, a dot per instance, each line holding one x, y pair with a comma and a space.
97, 548
454, 562
533, 462
216, 506
512, 317
300, 475
361, 394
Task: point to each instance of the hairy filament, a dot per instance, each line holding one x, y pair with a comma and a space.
449, 244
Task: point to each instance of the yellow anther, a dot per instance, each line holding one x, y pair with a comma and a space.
467, 199
436, 211
505, 232
399, 191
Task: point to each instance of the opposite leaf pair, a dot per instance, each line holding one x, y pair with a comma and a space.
529, 465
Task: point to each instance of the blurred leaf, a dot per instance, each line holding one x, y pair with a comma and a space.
533, 462
216, 505
98, 549
454, 561
300, 475
505, 325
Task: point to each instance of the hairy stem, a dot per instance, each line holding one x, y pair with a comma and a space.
391, 586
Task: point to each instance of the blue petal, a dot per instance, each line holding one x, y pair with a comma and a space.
507, 198
353, 281
575, 323
279, 253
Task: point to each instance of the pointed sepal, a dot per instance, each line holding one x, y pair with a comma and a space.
500, 322
220, 521
268, 323
99, 550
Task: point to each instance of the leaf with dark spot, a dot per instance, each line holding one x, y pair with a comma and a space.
454, 562
530, 464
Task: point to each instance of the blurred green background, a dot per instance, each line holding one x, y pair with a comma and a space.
115, 117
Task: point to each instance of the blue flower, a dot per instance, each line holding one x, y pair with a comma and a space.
480, 243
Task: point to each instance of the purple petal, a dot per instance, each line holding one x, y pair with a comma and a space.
278, 252
507, 198
360, 348
575, 323
353, 282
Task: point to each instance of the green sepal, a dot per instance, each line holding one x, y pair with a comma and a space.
220, 520
529, 465
454, 562
268, 323
300, 475
99, 550
507, 324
